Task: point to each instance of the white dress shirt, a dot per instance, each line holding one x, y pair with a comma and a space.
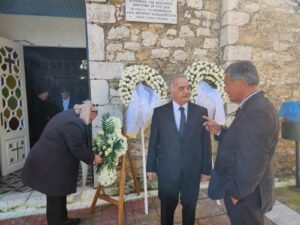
177, 113
66, 103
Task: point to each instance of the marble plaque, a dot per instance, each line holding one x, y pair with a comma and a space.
152, 11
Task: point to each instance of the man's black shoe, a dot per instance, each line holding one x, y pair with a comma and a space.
72, 221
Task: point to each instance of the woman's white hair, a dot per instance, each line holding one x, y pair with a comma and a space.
84, 111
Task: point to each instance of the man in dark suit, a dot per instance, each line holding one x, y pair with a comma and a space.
242, 174
66, 101
179, 152
52, 164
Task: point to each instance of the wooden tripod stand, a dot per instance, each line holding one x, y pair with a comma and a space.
100, 194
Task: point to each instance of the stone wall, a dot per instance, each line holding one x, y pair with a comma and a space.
264, 31
168, 48
114, 44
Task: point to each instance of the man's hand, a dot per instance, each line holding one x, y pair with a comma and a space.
204, 177
211, 125
97, 159
151, 176
234, 201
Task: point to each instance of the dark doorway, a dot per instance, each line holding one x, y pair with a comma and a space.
53, 68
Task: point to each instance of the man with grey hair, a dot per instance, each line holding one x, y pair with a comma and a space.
179, 152
242, 174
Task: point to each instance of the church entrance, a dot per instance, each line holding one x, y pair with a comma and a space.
54, 69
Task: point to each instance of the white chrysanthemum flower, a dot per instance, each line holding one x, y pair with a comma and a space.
98, 142
120, 153
107, 177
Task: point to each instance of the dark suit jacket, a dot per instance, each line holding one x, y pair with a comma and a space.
169, 154
245, 151
38, 118
52, 164
72, 102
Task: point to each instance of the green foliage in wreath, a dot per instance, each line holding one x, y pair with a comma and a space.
109, 143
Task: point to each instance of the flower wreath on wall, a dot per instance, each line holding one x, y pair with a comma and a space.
110, 144
135, 74
209, 72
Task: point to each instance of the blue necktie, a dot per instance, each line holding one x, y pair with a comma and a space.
182, 122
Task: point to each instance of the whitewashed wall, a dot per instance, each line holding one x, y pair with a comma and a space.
44, 31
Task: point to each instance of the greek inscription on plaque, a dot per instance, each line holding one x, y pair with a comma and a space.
152, 11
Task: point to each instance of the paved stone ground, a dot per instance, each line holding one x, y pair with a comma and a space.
20, 205
208, 213
12, 183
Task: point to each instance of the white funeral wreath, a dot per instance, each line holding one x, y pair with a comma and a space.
132, 75
209, 72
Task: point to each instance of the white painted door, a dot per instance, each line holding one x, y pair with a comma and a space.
14, 141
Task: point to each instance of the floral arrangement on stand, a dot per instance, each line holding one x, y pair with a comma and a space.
209, 72
141, 73
110, 144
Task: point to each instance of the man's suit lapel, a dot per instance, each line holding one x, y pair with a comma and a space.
247, 104
189, 118
172, 118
